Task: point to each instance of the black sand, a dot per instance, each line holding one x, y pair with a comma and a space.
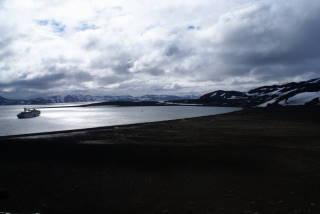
253, 161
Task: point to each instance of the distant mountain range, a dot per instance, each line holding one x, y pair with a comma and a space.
89, 98
294, 93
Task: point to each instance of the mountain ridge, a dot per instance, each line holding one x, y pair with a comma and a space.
72, 98
293, 93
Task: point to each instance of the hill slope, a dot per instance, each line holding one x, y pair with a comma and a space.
294, 93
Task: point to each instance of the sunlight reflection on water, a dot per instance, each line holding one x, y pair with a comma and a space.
56, 119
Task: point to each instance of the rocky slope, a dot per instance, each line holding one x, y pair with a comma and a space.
294, 93
225, 98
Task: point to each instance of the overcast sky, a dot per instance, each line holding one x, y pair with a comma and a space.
117, 47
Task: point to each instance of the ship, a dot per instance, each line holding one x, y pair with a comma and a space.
28, 113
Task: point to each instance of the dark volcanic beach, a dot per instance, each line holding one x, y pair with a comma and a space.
251, 161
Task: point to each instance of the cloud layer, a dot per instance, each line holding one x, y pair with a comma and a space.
139, 47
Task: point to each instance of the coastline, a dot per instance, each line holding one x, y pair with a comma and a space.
254, 160
69, 127
290, 110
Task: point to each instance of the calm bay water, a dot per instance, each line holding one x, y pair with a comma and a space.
56, 119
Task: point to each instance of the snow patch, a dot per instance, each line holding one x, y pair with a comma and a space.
214, 94
315, 81
236, 97
302, 98
267, 103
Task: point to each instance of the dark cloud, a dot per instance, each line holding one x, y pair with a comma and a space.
5, 53
172, 50
57, 79
42, 82
119, 63
142, 87
122, 67
153, 71
268, 43
111, 79
295, 48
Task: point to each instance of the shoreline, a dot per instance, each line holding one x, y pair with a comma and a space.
104, 127
164, 124
249, 161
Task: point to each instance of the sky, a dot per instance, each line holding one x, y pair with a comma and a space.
136, 47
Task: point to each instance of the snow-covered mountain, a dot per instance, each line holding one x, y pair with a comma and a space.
302, 98
88, 98
78, 98
225, 98
294, 93
5, 101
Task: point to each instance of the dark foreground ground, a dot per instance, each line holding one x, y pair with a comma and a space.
253, 161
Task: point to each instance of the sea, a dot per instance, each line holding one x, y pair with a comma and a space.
68, 118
